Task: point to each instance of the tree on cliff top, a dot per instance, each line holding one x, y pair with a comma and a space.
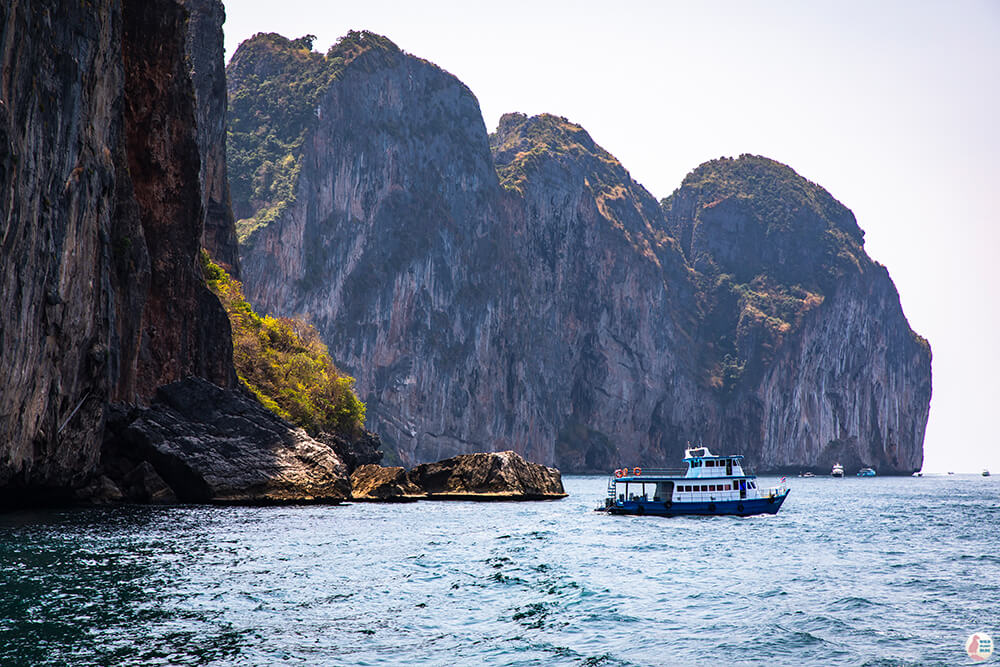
285, 364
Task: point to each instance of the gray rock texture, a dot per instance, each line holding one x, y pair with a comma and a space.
61, 144
520, 291
816, 359
206, 56
209, 444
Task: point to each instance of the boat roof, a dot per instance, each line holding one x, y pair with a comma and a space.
702, 452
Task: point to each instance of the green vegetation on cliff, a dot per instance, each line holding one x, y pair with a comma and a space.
522, 144
285, 364
276, 87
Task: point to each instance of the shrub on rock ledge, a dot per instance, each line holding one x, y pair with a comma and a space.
285, 364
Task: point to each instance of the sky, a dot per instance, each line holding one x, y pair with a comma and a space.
893, 107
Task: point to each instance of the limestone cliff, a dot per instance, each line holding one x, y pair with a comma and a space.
102, 295
520, 291
807, 344
206, 56
59, 142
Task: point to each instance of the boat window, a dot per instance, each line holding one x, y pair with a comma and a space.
736, 485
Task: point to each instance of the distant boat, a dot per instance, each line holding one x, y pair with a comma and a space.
866, 472
986, 473
808, 474
917, 474
950, 472
838, 470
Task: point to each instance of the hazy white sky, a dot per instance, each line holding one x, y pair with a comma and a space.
891, 106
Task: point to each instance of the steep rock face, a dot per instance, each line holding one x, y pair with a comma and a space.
185, 330
206, 55
392, 224
529, 295
606, 295
811, 355
474, 316
65, 208
101, 296
854, 385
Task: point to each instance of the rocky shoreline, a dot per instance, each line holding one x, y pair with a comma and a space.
200, 443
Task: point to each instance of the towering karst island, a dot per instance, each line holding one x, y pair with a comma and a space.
520, 291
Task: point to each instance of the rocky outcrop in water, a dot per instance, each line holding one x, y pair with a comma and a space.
521, 291
387, 484
208, 444
482, 476
487, 476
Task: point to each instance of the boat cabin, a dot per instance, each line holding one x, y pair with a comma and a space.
709, 485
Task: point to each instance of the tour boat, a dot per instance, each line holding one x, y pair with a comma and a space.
866, 472
838, 470
710, 485
986, 472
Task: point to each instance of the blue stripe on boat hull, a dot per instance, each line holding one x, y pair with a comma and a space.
739, 507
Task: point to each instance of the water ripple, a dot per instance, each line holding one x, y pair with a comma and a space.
851, 572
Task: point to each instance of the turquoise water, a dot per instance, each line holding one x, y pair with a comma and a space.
850, 572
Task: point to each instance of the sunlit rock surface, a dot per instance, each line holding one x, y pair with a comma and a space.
520, 291
209, 444
487, 476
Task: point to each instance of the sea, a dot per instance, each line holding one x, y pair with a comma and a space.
882, 571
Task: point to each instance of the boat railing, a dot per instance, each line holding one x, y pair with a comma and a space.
775, 491
664, 472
